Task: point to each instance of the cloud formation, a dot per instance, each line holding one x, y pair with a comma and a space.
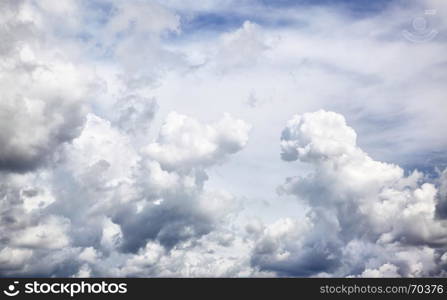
140, 138
43, 93
183, 143
115, 200
354, 204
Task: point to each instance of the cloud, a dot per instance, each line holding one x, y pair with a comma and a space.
43, 94
352, 200
128, 26
385, 270
441, 208
135, 114
48, 233
318, 136
116, 158
109, 198
243, 47
35, 241
174, 205
208, 257
183, 143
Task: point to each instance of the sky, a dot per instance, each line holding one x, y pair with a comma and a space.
223, 138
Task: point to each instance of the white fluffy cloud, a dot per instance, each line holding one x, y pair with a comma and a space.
183, 143
43, 94
115, 200
353, 201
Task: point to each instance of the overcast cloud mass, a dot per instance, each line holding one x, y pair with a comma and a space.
223, 138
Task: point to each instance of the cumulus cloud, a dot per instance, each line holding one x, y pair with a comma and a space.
43, 93
183, 143
355, 204
115, 200
174, 203
210, 256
